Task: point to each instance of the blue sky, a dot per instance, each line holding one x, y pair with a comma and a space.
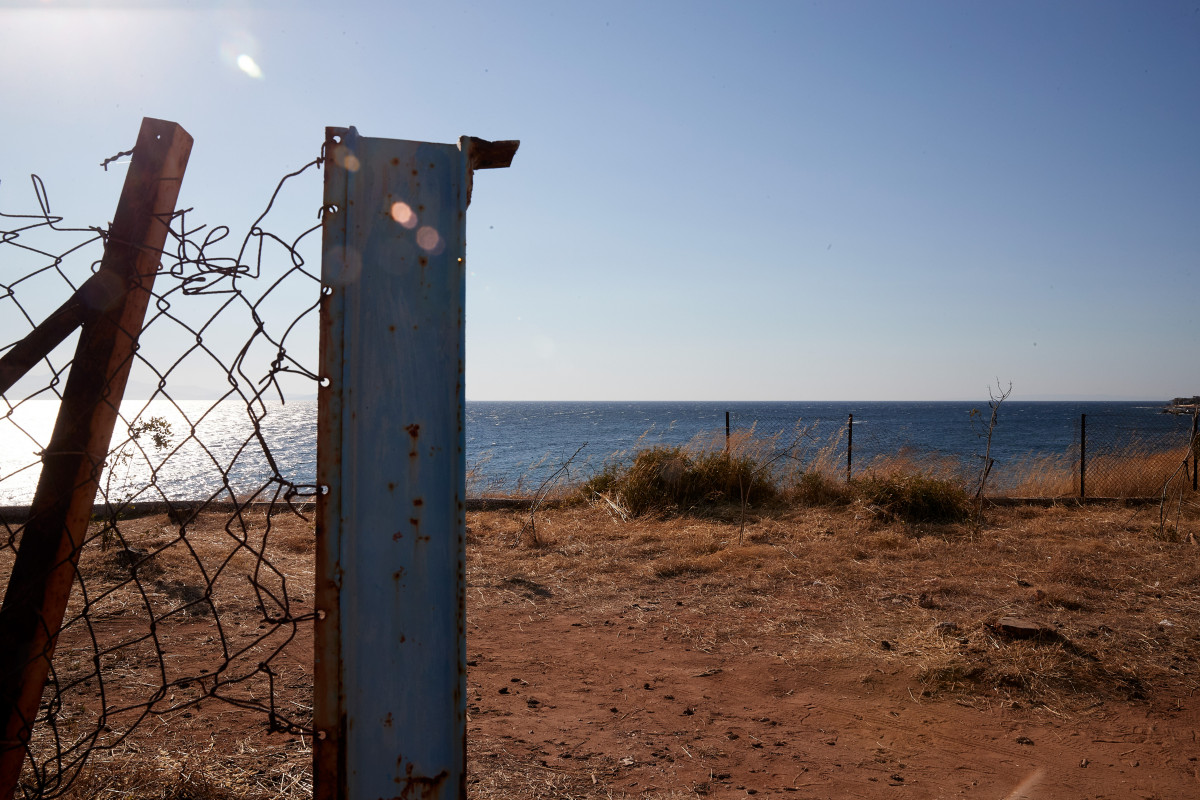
725, 201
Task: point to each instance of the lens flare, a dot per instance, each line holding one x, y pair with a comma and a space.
429, 240
239, 50
249, 66
403, 213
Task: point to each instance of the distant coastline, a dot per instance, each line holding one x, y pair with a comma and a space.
1183, 405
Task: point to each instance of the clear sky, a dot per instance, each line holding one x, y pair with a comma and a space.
712, 201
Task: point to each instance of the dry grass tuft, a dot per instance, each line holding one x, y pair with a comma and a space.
246, 772
913, 497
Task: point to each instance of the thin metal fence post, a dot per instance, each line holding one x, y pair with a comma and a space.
726, 433
1083, 456
1195, 445
849, 446
390, 650
40, 584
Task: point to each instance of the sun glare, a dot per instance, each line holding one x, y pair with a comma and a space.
239, 50
249, 66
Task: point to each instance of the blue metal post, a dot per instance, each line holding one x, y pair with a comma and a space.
390, 635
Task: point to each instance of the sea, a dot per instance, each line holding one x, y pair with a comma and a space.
228, 449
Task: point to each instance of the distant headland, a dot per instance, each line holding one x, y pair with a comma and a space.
1183, 405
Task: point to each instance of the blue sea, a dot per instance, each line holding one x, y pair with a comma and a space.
511, 441
514, 445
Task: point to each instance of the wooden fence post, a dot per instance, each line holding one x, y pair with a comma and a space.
45, 566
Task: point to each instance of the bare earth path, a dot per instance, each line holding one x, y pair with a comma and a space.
641, 711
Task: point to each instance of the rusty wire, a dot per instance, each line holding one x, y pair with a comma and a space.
151, 630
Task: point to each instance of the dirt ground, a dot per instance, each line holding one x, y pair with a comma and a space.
831, 657
824, 655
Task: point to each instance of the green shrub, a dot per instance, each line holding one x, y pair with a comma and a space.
914, 498
675, 478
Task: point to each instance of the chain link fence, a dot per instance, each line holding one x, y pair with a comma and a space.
1134, 454
1102, 456
193, 586
1120, 461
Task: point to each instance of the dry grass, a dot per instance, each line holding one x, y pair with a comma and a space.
1135, 472
180, 621
1125, 603
800, 469
824, 581
245, 769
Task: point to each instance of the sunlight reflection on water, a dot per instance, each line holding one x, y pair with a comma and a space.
212, 450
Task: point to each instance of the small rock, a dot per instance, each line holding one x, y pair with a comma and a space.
1017, 628
1083, 764
1024, 740
130, 556
946, 628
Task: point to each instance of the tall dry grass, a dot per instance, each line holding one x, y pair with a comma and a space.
797, 468
1135, 471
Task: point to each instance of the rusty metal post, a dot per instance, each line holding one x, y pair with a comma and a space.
40, 584
1083, 456
390, 702
849, 446
726, 433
